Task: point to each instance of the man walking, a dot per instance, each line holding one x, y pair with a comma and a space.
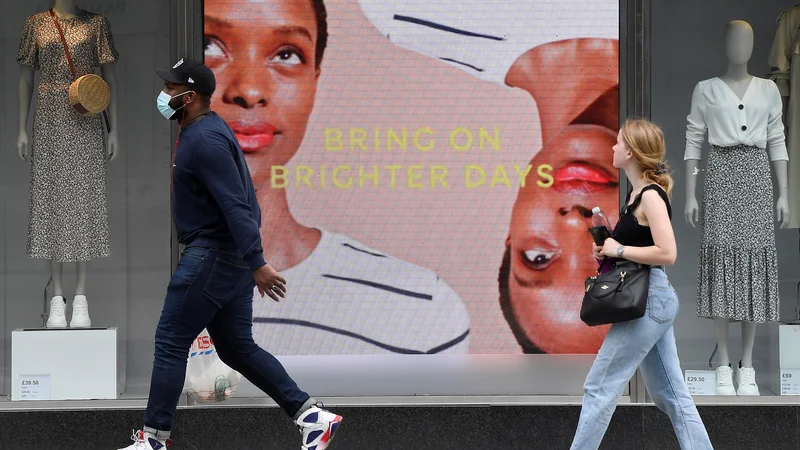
217, 218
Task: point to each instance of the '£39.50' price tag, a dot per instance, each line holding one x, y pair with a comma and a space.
34, 387
701, 382
790, 381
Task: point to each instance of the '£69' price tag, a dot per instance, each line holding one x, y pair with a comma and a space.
790, 381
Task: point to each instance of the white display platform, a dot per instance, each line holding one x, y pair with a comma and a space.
789, 344
64, 364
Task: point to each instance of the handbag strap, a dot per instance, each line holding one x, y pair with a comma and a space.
63, 41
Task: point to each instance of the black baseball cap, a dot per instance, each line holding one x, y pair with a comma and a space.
191, 73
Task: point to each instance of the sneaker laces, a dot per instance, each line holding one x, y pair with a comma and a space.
80, 307
748, 376
138, 437
725, 376
57, 305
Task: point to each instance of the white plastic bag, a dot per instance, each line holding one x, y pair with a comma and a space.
208, 379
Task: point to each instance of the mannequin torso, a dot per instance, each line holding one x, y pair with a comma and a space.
738, 86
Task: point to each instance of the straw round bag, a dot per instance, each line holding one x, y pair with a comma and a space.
89, 95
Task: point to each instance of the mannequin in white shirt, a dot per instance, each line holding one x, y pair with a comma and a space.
739, 47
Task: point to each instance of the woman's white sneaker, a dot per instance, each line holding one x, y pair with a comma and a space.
57, 318
725, 381
746, 379
80, 313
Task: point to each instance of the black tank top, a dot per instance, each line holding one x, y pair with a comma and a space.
628, 231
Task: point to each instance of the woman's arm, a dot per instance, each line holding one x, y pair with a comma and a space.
665, 250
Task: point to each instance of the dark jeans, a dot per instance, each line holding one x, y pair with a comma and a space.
211, 289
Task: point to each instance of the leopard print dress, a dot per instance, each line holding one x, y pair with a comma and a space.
68, 217
737, 271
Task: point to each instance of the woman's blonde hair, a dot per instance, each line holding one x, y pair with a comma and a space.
646, 141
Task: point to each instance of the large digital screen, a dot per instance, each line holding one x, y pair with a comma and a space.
426, 169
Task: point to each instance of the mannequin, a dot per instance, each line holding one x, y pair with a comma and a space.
74, 230
738, 246
785, 72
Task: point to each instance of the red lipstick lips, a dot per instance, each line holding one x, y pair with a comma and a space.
582, 178
253, 137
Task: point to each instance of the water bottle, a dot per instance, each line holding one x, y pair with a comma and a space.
599, 219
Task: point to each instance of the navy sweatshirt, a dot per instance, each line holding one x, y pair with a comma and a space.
213, 200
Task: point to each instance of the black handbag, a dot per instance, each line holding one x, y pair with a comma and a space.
617, 295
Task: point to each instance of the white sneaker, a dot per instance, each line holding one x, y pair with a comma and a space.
746, 379
145, 441
57, 318
80, 313
318, 427
725, 381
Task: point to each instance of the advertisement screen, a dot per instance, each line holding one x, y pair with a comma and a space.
426, 169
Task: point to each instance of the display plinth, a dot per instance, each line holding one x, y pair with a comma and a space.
64, 364
789, 343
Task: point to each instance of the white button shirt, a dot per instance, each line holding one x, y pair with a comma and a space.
754, 120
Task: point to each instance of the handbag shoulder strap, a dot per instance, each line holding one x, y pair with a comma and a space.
63, 41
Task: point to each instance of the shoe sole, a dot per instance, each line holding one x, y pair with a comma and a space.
748, 393
78, 324
730, 391
56, 324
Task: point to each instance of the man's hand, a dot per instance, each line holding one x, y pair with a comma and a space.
269, 282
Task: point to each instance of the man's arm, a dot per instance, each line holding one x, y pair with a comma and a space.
217, 168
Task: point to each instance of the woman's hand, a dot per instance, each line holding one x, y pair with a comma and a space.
610, 247
597, 251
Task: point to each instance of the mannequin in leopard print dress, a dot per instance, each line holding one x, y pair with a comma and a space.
738, 264
68, 219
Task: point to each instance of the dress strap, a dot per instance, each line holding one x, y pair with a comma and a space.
649, 187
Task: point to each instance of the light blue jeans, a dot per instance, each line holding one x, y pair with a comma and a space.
649, 343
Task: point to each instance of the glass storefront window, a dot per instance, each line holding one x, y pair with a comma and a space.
426, 181
66, 204
720, 90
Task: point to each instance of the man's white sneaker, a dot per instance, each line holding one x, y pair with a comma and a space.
57, 318
80, 313
725, 381
317, 427
145, 441
746, 380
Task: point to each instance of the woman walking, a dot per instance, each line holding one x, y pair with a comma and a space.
643, 235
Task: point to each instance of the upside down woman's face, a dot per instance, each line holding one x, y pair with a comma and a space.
549, 244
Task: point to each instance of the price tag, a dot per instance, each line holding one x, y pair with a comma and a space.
790, 381
34, 387
701, 382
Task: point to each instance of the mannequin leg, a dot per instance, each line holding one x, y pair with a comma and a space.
80, 288
748, 340
724, 371
80, 307
56, 317
745, 374
721, 330
56, 269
